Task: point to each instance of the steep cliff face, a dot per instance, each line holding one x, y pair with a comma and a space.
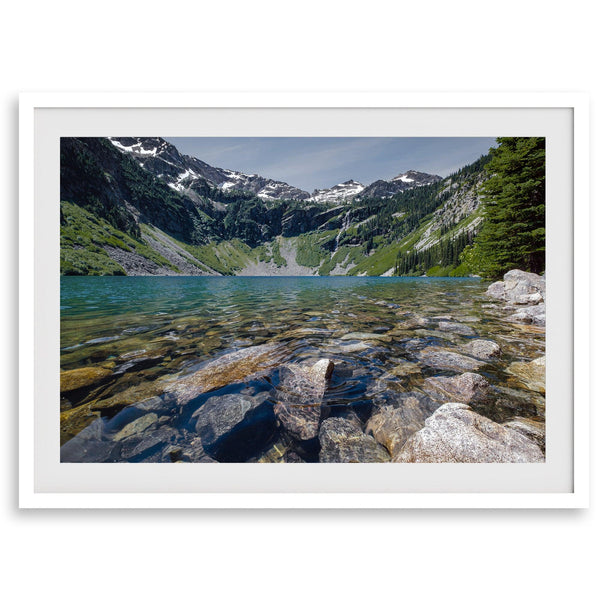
137, 206
459, 214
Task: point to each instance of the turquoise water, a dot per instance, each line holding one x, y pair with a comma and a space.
144, 331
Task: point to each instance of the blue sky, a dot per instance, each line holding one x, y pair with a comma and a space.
310, 163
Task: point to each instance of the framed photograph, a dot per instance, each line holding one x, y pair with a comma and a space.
304, 300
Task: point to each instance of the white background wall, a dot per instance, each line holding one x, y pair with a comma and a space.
278, 46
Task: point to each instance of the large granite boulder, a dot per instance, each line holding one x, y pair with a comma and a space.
391, 426
456, 434
299, 397
235, 426
230, 368
534, 315
466, 388
342, 441
535, 430
519, 287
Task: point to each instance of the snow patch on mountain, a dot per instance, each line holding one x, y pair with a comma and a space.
341, 192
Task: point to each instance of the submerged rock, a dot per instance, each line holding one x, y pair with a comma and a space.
74, 420
531, 374
194, 452
235, 426
131, 395
409, 321
456, 328
442, 335
75, 382
136, 427
366, 336
447, 360
465, 388
405, 368
89, 446
299, 397
391, 426
275, 454
484, 349
232, 367
456, 434
150, 440
348, 348
342, 441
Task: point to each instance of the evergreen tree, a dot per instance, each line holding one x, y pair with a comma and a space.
513, 233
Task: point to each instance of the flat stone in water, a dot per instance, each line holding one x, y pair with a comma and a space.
227, 369
484, 349
350, 347
447, 360
443, 335
410, 322
76, 379
130, 395
456, 328
405, 368
136, 445
465, 388
531, 374
135, 427
365, 336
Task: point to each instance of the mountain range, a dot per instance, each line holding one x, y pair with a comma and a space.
188, 175
137, 206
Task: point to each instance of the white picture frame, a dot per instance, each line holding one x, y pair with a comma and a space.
46, 483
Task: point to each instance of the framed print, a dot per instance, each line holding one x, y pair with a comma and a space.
303, 300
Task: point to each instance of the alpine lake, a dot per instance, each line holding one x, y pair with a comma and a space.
276, 369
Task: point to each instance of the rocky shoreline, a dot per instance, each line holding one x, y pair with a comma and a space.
437, 415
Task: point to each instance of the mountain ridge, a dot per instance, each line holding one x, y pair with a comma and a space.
182, 172
150, 210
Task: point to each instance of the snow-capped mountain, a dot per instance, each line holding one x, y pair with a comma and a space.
411, 179
338, 193
191, 176
353, 190
187, 174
